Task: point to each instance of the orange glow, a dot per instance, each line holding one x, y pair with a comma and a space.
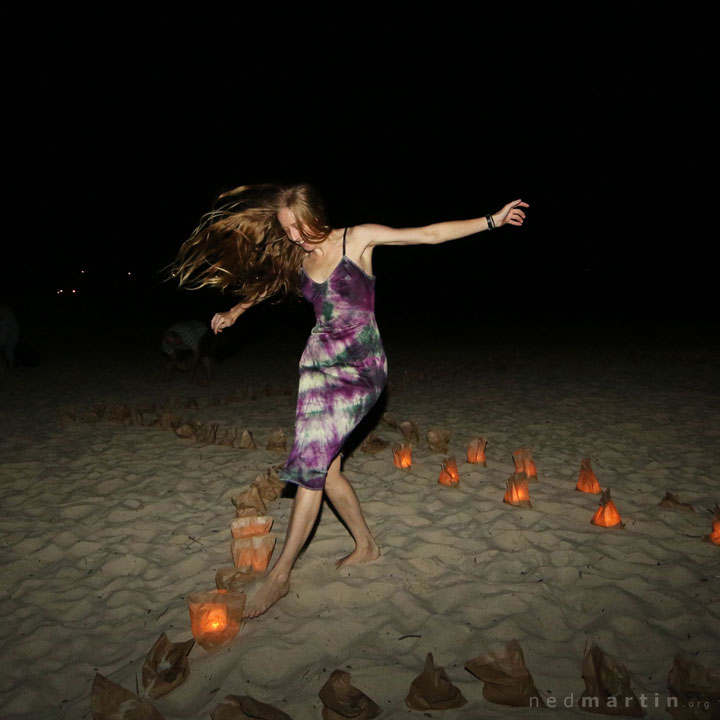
250, 526
517, 492
525, 464
476, 451
402, 455
607, 514
254, 551
215, 616
587, 482
214, 620
449, 474
714, 536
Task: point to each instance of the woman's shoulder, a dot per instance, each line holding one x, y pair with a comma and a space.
361, 234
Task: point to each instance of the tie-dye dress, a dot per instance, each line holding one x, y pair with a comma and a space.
342, 371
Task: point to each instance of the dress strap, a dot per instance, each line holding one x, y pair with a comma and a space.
344, 234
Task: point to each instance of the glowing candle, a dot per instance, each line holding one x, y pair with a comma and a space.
255, 551
517, 492
714, 536
449, 474
215, 616
607, 514
587, 482
402, 455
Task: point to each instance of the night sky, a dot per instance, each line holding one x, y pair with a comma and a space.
124, 147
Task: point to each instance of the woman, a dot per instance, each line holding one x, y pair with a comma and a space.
269, 240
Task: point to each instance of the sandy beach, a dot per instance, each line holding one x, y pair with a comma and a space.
107, 526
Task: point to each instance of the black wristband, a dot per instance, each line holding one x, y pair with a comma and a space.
490, 222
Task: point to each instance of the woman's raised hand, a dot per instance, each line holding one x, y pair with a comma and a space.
222, 320
511, 214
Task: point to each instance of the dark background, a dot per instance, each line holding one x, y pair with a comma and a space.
124, 144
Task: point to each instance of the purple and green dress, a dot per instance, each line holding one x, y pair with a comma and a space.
343, 370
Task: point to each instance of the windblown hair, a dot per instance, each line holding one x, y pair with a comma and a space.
240, 245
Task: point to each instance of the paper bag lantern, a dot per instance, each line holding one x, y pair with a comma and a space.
410, 432
277, 440
587, 482
517, 492
696, 689
166, 666
207, 433
244, 707
438, 440
373, 444
254, 551
507, 681
449, 474
341, 700
525, 464
249, 502
215, 616
169, 420
671, 501
186, 432
246, 441
607, 514
402, 455
714, 536
109, 701
232, 578
432, 690
250, 526
269, 485
607, 686
229, 438
476, 451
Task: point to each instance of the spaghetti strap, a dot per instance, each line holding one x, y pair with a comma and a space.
344, 234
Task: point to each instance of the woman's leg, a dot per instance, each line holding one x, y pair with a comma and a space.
345, 501
277, 583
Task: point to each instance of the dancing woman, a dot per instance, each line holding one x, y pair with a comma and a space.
267, 240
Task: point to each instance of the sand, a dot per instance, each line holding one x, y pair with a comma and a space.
107, 527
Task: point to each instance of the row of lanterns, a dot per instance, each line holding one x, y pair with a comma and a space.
216, 615
517, 492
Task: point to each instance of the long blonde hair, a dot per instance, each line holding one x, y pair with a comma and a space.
241, 246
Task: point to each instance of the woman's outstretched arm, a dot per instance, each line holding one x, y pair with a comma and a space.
511, 214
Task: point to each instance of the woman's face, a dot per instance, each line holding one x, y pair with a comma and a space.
288, 221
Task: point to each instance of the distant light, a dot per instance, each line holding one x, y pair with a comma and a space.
59, 292
74, 291
82, 272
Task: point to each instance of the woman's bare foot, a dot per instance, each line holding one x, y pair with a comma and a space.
363, 554
268, 592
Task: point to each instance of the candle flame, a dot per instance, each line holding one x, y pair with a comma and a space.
517, 492
215, 616
402, 455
